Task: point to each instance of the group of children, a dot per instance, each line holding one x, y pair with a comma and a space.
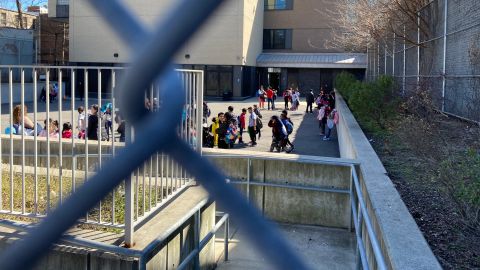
291, 96
327, 114
227, 128
87, 126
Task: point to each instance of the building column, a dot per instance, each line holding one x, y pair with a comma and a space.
237, 81
283, 79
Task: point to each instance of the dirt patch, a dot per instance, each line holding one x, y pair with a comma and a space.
412, 150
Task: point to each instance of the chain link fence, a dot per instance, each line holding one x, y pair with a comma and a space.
446, 61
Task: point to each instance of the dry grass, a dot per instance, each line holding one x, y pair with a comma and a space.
52, 187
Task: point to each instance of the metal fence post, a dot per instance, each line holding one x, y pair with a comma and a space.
385, 60
444, 69
129, 196
351, 199
199, 110
404, 60
227, 229
393, 55
249, 169
378, 60
368, 64
418, 49
196, 239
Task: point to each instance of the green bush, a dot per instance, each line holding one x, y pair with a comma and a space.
460, 176
372, 103
346, 83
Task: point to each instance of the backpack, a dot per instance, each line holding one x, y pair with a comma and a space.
259, 124
289, 126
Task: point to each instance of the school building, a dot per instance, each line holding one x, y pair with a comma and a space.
281, 43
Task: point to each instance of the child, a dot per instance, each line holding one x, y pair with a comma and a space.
51, 129
67, 130
213, 129
332, 120
81, 123
92, 131
320, 118
242, 124
107, 116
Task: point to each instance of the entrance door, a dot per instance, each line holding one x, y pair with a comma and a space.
274, 80
326, 79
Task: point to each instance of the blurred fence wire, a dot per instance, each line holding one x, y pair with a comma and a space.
153, 54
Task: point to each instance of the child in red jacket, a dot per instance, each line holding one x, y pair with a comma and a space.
241, 124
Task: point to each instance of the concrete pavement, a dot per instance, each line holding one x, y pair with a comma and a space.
320, 247
306, 133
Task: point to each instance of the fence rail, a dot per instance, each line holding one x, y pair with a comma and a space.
43, 157
446, 61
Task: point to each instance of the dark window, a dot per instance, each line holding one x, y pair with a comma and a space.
277, 39
278, 4
218, 79
62, 11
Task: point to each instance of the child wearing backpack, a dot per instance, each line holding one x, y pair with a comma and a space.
332, 120
287, 122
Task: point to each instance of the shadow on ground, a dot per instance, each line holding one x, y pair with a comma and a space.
308, 140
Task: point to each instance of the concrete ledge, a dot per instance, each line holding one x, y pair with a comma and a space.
402, 243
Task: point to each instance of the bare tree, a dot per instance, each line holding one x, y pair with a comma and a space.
20, 14
359, 23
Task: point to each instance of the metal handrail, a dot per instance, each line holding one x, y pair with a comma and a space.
371, 233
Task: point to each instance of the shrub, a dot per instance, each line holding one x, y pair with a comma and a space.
372, 103
460, 175
346, 83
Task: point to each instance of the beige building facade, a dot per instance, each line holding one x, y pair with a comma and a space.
295, 46
310, 22
11, 19
244, 44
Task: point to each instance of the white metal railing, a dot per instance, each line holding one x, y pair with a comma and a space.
366, 236
45, 179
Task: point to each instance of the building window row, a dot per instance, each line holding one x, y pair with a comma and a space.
278, 4
277, 39
3, 19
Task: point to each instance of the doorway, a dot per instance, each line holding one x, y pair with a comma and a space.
274, 80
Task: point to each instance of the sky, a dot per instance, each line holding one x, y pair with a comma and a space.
10, 4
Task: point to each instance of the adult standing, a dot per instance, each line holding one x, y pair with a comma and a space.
92, 128
295, 100
252, 126
275, 93
286, 97
310, 100
270, 98
242, 124
259, 115
261, 97
222, 131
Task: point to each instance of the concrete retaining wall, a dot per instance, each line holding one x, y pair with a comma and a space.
289, 205
402, 243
